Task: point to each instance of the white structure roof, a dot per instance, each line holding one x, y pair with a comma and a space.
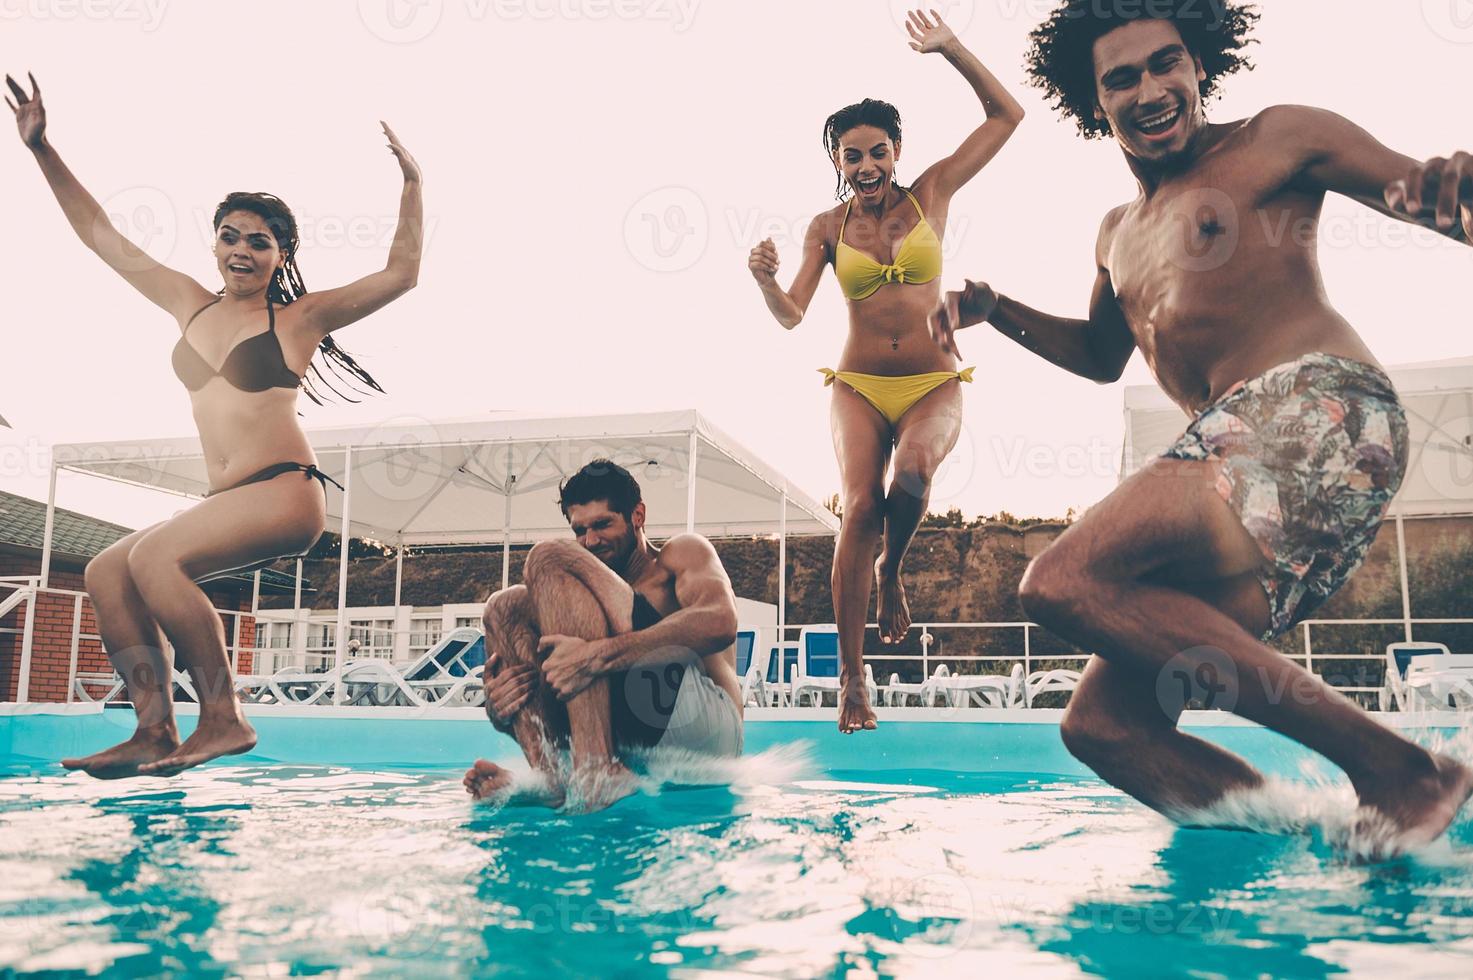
484, 481
1437, 395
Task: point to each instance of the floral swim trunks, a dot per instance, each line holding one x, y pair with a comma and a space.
1312, 452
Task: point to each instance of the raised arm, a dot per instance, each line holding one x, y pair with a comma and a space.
1328, 152
1003, 112
789, 306
1097, 348
328, 310
172, 291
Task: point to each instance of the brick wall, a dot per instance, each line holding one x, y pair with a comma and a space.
51, 644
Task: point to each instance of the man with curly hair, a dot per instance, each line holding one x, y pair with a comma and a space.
1272, 497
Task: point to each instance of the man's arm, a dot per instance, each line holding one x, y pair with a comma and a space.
705, 624
1097, 348
1328, 152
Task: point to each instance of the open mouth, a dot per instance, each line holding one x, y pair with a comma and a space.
1160, 124
868, 186
239, 269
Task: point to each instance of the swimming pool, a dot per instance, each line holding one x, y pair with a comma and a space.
347, 844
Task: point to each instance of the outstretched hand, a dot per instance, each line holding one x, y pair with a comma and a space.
928, 33
406, 162
30, 114
1441, 189
958, 309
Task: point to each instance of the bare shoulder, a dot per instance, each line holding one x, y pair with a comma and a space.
1292, 127
688, 553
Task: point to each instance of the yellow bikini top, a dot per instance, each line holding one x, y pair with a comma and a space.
917, 260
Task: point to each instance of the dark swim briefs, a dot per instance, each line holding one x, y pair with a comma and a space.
1312, 452
643, 699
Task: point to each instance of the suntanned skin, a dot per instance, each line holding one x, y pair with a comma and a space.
142, 587
555, 639
887, 336
1211, 273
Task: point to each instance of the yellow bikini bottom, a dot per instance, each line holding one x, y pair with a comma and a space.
894, 395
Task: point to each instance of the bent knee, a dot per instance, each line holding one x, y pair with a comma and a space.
865, 508
554, 556
1092, 736
1051, 592
107, 570
503, 607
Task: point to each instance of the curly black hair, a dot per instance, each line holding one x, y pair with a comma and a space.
1061, 57
601, 479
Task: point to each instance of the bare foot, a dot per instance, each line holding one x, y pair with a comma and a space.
855, 713
1414, 812
210, 740
597, 787
892, 611
123, 760
486, 780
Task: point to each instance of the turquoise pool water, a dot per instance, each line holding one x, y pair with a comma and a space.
801, 866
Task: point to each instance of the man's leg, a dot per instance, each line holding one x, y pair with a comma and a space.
574, 594
1102, 586
542, 723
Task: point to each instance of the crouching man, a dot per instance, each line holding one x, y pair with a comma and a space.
610, 644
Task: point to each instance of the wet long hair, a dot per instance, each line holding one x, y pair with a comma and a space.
870, 112
286, 286
1061, 58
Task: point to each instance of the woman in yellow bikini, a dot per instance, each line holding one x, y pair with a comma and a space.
898, 391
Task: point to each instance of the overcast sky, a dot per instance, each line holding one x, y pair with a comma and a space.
595, 174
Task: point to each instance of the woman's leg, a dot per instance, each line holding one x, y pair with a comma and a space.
248, 524
135, 645
923, 438
862, 442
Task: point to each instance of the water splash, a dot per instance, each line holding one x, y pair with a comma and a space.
1326, 806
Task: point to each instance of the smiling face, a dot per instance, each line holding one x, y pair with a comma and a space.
1148, 89
605, 532
246, 252
866, 157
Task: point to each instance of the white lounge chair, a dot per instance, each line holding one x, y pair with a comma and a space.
983, 690
442, 674
895, 692
1441, 683
818, 666
753, 686
1399, 660
1049, 681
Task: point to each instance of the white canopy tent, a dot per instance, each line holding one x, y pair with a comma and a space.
418, 482
1438, 398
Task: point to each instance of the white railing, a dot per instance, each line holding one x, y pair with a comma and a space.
17, 592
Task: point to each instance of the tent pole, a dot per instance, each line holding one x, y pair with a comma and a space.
50, 527
782, 570
506, 523
1406, 592
690, 487
341, 643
